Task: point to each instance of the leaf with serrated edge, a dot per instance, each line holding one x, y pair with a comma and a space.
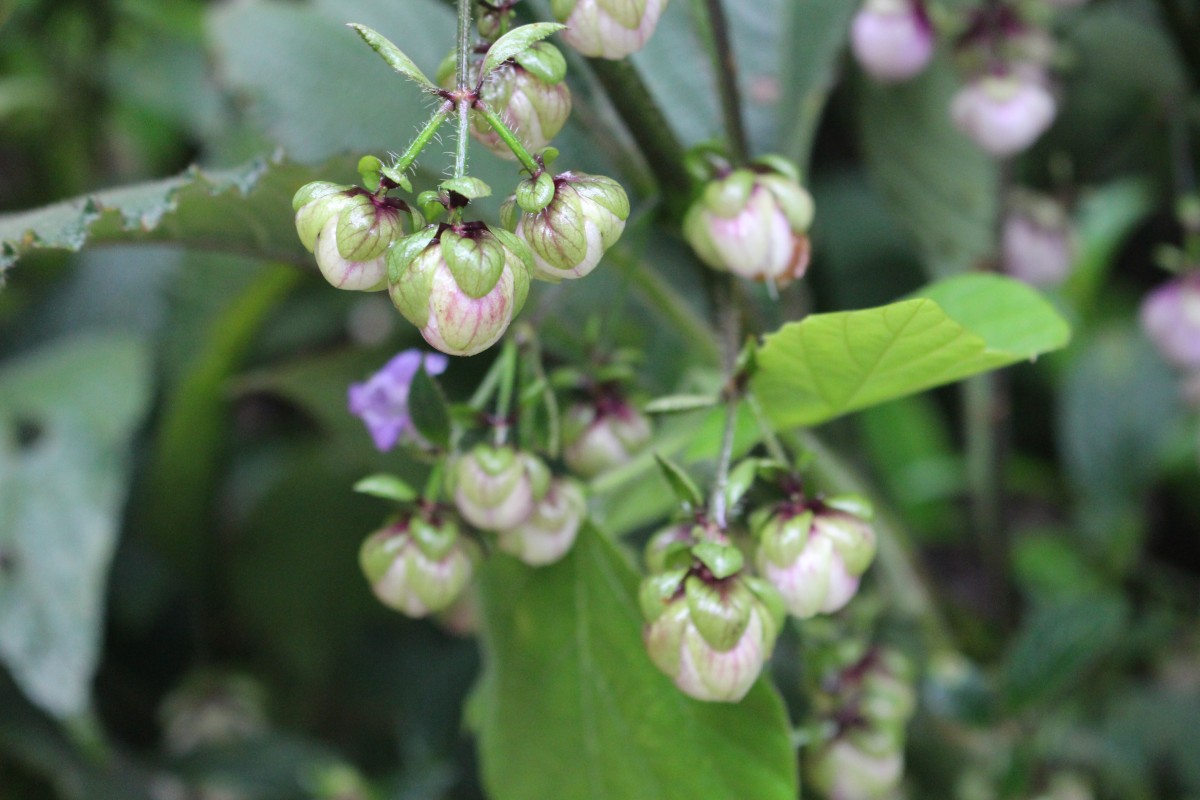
516, 41
393, 55
830, 364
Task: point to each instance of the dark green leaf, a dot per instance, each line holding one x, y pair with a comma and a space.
571, 708
514, 42
681, 483
428, 409
393, 55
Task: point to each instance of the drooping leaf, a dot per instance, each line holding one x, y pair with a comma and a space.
393, 56
386, 486
685, 489
830, 364
571, 708
66, 417
515, 42
938, 182
428, 409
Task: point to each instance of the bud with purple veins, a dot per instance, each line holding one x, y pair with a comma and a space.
1035, 243
461, 284
583, 218
711, 631
603, 434
552, 527
1004, 112
753, 224
893, 40
608, 28
418, 564
845, 770
1170, 316
529, 92
815, 556
350, 230
497, 488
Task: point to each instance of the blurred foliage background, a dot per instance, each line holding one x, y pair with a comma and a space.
181, 612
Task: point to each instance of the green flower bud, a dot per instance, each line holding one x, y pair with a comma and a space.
608, 28
603, 435
498, 488
350, 231
670, 547
815, 560
842, 771
584, 218
552, 527
712, 638
405, 576
460, 285
753, 224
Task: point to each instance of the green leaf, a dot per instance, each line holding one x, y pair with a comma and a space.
830, 364
66, 417
817, 33
680, 402
387, 486
393, 55
571, 708
515, 42
722, 560
1058, 644
468, 187
940, 184
246, 210
428, 409
681, 483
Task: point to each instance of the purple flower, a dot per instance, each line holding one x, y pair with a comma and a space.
382, 401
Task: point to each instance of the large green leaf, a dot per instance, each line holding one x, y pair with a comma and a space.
938, 183
66, 415
830, 364
244, 210
571, 708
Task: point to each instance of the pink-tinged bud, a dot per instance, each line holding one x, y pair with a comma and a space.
498, 488
552, 527
418, 566
461, 285
608, 28
1036, 241
892, 39
1171, 318
350, 231
568, 236
603, 435
815, 559
753, 224
843, 771
1004, 113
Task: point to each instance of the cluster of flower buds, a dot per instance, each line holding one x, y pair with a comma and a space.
710, 625
893, 40
608, 28
814, 551
603, 432
753, 221
868, 708
1035, 243
420, 562
536, 516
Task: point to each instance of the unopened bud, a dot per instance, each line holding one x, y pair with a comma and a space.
892, 39
1170, 316
552, 527
350, 231
1036, 241
498, 488
608, 28
1004, 113
417, 565
603, 435
843, 771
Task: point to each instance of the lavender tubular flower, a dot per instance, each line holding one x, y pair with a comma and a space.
382, 401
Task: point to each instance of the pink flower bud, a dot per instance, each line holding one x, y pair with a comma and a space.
1171, 318
608, 28
552, 527
892, 39
603, 435
1004, 113
1036, 242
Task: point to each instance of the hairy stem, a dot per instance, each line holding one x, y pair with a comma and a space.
424, 137
727, 80
463, 52
509, 138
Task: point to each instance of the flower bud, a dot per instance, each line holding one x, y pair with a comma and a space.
529, 93
350, 230
498, 488
603, 435
753, 225
668, 545
1170, 316
583, 219
844, 771
1004, 113
551, 529
892, 39
418, 565
608, 28
711, 637
1036, 241
461, 285
815, 559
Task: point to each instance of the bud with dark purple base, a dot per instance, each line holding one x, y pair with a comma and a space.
1005, 112
603, 434
497, 488
418, 564
350, 230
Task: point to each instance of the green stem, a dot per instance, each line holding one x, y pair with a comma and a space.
433, 484
528, 335
727, 84
774, 446
508, 380
509, 138
461, 73
731, 326
424, 137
